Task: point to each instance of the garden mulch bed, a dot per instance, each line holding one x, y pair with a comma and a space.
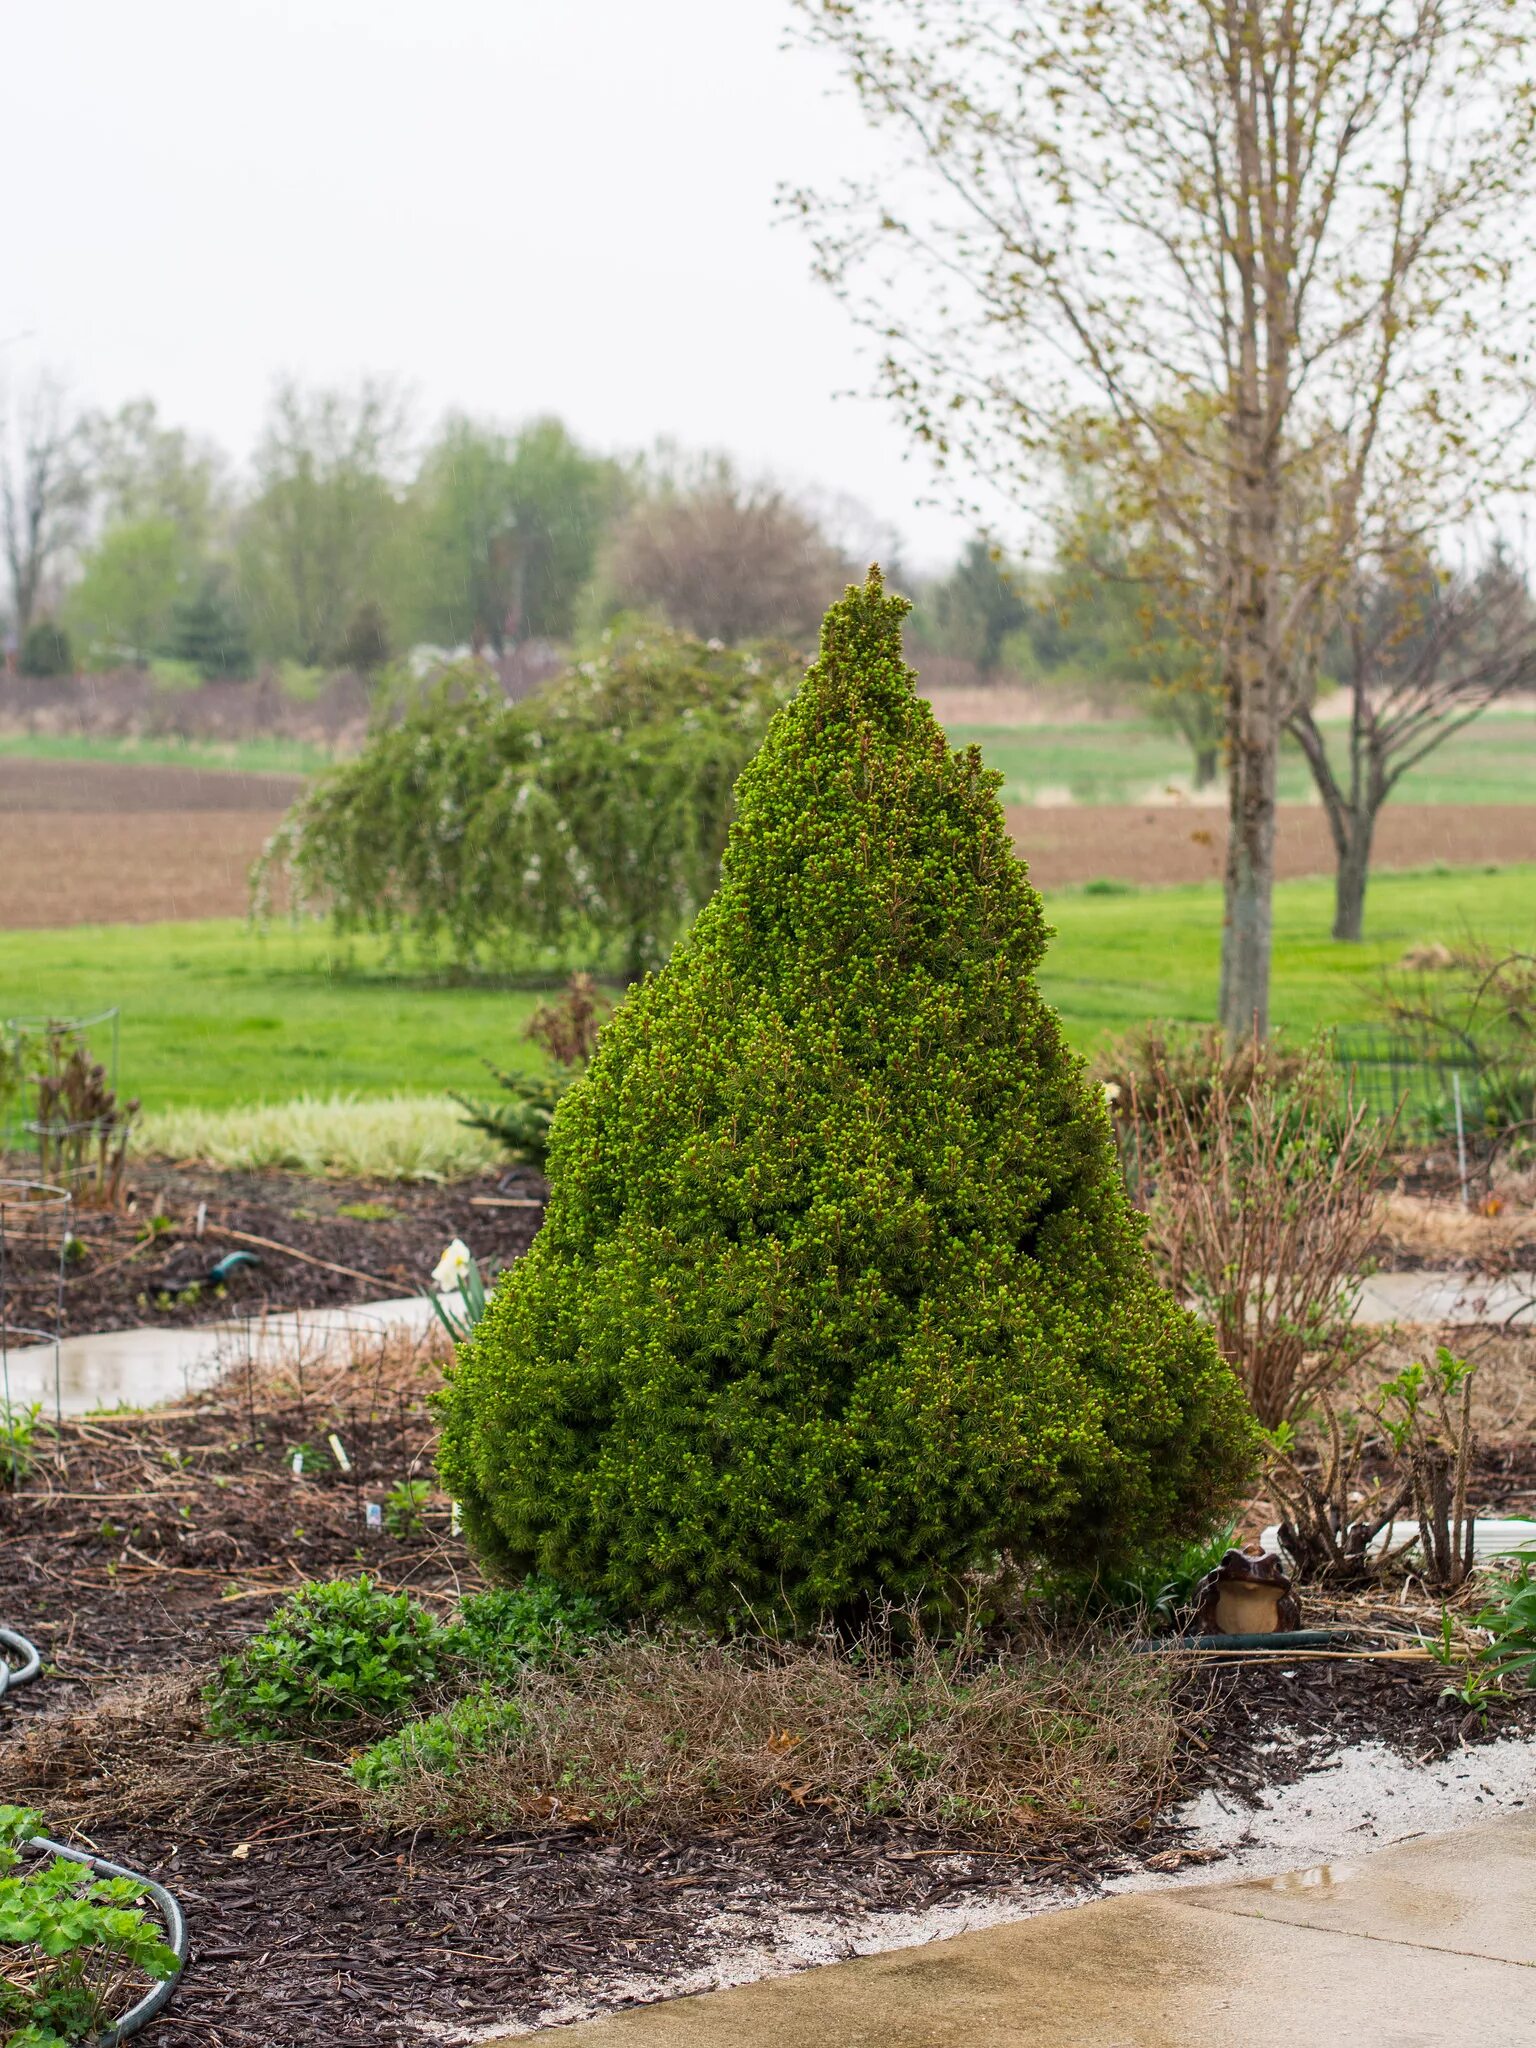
179, 1219
142, 1546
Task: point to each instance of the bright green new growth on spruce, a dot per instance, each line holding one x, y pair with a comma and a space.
839, 1291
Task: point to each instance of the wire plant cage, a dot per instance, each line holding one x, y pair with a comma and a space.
1435, 1087
35, 1235
61, 1102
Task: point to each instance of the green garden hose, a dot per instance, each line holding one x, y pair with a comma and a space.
17, 1674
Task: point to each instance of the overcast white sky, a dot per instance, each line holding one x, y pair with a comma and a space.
516, 206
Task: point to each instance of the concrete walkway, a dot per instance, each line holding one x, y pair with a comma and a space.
1429, 1944
144, 1368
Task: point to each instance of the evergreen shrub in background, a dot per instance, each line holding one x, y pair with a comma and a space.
839, 1291
46, 651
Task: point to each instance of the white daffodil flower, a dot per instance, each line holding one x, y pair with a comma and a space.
1111, 1091
450, 1269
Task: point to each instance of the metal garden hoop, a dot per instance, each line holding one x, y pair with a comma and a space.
51, 1208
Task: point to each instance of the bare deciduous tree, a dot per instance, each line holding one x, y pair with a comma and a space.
1247, 256
725, 560
1425, 652
44, 493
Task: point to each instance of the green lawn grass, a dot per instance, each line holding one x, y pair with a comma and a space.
269, 756
213, 1014
1493, 761
1109, 762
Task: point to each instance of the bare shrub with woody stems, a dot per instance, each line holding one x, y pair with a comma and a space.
1420, 1428
1261, 1209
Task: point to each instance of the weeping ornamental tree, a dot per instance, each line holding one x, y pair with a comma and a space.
838, 1291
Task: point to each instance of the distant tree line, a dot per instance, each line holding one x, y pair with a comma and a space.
130, 542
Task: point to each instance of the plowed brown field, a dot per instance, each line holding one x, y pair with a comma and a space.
89, 843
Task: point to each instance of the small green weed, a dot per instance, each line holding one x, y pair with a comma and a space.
366, 1212
18, 1428
440, 1744
71, 1943
403, 1506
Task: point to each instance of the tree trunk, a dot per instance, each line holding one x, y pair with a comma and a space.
1350, 877
1253, 746
1250, 880
1207, 760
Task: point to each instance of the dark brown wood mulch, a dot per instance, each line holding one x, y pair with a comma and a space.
152, 1543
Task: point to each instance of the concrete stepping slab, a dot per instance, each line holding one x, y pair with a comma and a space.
1472, 1893
1427, 1945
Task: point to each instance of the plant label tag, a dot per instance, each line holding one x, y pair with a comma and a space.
298, 1464
338, 1451
455, 1520
374, 1511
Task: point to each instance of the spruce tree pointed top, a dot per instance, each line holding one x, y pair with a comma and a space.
839, 1291
859, 663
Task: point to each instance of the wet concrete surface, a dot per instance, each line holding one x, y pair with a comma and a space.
146, 1368
1428, 1944
141, 1368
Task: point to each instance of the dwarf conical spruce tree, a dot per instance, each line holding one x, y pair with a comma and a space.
838, 1291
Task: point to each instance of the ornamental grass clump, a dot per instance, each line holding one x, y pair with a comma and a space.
839, 1293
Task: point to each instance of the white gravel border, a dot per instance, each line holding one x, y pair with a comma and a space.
1354, 1800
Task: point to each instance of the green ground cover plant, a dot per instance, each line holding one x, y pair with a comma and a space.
342, 1650
216, 1018
75, 1949
346, 1653
838, 1293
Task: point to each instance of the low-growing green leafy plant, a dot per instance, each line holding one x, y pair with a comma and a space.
333, 1652
72, 1944
1510, 1619
510, 1627
345, 1650
439, 1744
